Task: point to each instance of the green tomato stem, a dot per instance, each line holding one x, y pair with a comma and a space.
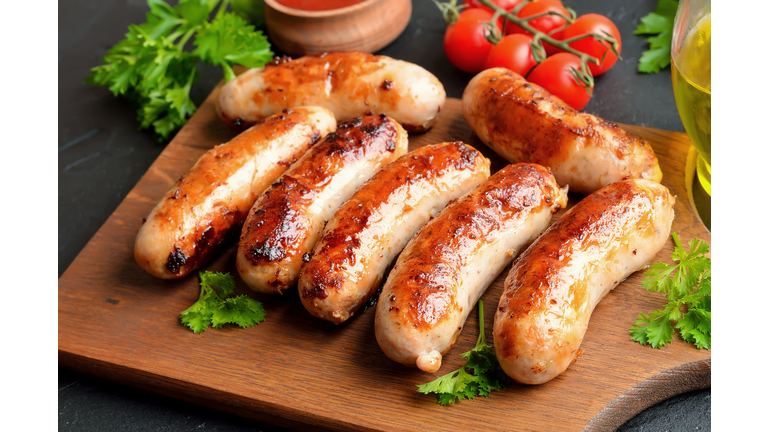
523, 23
543, 14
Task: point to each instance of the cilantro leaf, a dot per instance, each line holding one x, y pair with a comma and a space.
223, 282
479, 376
151, 68
241, 310
688, 287
214, 308
198, 316
659, 23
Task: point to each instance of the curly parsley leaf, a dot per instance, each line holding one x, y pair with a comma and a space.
230, 40
688, 288
151, 68
658, 27
214, 308
480, 375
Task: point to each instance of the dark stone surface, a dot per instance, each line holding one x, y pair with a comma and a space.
102, 155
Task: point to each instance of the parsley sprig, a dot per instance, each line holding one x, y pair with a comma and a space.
688, 287
151, 68
479, 376
657, 26
214, 308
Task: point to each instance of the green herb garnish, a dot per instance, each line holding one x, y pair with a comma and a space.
486, 373
151, 68
688, 286
658, 25
214, 308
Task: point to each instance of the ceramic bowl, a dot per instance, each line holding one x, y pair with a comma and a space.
367, 26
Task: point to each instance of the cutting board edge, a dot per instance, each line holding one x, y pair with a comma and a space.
253, 409
692, 376
696, 375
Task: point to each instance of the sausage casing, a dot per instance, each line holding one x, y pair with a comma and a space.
554, 286
287, 220
523, 122
211, 200
453, 259
372, 227
350, 84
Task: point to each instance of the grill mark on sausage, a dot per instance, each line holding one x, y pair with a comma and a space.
278, 228
224, 221
176, 259
340, 245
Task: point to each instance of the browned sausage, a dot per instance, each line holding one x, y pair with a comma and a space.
523, 122
373, 226
554, 286
350, 84
211, 200
450, 263
288, 218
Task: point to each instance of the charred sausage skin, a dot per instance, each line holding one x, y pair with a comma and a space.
350, 84
553, 287
209, 203
364, 236
523, 122
287, 220
453, 259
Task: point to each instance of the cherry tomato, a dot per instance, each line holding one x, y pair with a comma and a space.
513, 53
554, 75
507, 5
545, 24
465, 43
594, 23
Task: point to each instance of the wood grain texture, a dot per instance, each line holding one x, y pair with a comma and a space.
293, 370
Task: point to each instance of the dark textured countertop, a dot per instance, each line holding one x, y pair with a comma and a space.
102, 155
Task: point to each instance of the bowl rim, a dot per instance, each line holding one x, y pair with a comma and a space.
274, 4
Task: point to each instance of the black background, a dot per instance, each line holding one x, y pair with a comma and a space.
102, 155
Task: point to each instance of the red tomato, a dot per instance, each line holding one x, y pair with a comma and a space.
594, 23
465, 43
554, 75
504, 4
507, 5
545, 24
513, 53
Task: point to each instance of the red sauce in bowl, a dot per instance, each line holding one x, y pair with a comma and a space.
318, 5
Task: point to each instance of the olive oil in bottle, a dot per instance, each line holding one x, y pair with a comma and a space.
691, 80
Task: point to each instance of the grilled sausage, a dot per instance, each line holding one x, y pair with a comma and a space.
211, 200
554, 286
522, 122
449, 264
364, 236
350, 84
287, 220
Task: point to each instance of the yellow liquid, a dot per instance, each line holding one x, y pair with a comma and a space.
691, 80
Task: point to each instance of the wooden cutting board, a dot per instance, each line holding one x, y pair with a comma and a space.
118, 323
